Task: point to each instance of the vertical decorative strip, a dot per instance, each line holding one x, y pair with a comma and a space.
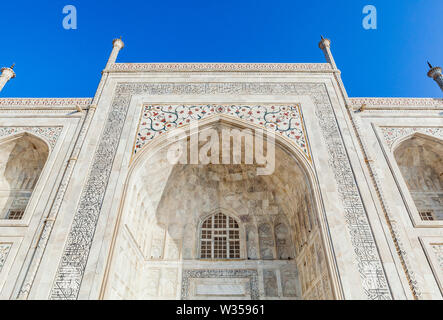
392, 224
76, 252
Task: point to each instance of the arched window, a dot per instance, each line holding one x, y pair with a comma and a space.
421, 163
22, 159
220, 238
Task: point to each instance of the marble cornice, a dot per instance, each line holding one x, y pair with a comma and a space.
43, 103
220, 67
395, 103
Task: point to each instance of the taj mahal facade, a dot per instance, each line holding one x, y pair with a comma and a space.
93, 208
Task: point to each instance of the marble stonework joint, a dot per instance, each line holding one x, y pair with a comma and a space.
393, 134
285, 120
49, 134
71, 269
220, 67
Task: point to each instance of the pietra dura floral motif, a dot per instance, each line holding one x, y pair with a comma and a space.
281, 119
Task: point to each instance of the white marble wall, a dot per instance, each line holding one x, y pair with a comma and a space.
362, 203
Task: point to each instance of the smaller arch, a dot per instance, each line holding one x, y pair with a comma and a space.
419, 158
22, 158
26, 133
412, 135
252, 242
266, 241
283, 242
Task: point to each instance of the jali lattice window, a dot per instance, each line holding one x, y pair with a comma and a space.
15, 214
220, 238
427, 215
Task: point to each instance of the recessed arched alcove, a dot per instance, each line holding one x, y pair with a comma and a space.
22, 158
157, 251
420, 159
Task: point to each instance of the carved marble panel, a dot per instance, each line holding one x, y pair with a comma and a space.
270, 283
4, 251
251, 275
289, 279
438, 252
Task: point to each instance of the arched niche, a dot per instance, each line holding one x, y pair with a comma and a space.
22, 158
165, 205
420, 160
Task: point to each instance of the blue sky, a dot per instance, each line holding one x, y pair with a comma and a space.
54, 62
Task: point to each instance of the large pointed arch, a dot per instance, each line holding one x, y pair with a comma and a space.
151, 181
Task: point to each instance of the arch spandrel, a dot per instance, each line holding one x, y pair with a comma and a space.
394, 136
49, 135
284, 120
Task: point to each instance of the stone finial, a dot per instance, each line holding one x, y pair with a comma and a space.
325, 45
7, 74
117, 45
436, 74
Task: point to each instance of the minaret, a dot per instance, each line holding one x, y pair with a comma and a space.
7, 74
325, 45
435, 73
117, 45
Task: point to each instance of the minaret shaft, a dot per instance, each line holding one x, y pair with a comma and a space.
7, 74
436, 74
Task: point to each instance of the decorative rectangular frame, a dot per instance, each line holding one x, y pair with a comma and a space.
437, 269
252, 275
